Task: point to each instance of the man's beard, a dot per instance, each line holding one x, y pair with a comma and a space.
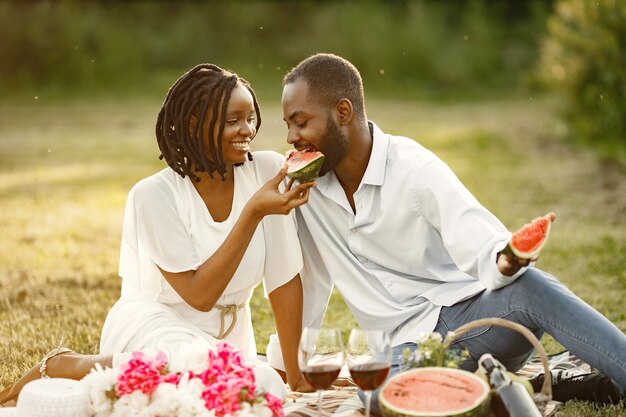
334, 146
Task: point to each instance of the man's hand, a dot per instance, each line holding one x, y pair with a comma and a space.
344, 382
509, 264
302, 386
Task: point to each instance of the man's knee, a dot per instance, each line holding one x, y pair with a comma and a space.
537, 282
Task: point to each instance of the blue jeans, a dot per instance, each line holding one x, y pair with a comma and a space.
540, 302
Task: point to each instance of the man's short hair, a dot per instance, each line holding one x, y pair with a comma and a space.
330, 78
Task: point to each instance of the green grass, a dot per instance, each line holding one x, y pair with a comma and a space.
65, 169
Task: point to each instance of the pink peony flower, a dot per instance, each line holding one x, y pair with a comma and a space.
275, 404
141, 373
227, 363
223, 398
223, 387
226, 395
175, 378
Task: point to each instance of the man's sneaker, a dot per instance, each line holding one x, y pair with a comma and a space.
566, 371
569, 383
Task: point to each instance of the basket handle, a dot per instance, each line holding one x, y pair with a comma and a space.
546, 389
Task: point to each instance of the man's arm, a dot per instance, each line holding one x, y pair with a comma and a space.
286, 303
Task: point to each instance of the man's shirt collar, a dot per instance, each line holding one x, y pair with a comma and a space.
374, 174
375, 171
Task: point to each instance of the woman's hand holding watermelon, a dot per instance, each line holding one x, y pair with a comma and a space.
269, 200
525, 245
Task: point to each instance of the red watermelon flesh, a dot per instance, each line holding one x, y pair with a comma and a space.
304, 165
527, 242
434, 392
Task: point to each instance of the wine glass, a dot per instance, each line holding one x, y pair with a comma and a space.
320, 357
369, 358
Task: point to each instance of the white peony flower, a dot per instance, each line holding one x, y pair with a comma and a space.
132, 405
165, 401
189, 358
246, 411
189, 398
261, 410
193, 407
99, 382
192, 387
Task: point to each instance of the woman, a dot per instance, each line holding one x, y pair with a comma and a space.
199, 235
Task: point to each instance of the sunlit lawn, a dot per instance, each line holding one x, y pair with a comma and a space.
65, 169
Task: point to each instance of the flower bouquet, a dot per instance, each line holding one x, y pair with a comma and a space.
433, 350
195, 383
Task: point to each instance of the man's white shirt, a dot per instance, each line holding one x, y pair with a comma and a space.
419, 240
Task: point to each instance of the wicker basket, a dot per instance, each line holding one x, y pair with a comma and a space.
541, 398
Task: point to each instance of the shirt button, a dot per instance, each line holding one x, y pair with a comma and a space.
353, 230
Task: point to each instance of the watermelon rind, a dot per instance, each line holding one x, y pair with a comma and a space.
308, 172
526, 229
480, 407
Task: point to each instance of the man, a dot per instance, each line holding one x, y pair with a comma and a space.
411, 250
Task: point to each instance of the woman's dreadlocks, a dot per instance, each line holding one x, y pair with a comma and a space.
198, 91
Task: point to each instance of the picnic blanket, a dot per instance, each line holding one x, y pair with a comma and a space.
344, 402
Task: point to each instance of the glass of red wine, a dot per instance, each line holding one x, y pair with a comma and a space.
320, 357
368, 354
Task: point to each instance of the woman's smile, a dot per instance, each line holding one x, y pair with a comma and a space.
243, 146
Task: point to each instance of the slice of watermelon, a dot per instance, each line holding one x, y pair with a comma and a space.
527, 242
433, 391
304, 165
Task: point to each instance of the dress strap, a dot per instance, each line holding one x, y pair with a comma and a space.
231, 309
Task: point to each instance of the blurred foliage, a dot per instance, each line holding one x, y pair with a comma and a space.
414, 47
584, 58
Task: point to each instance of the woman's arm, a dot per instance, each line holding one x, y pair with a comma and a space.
286, 303
203, 287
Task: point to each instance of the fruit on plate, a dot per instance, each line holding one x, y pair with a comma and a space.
304, 165
435, 391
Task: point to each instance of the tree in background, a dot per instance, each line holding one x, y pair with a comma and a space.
413, 48
584, 57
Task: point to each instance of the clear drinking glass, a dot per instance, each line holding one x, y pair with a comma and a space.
368, 353
320, 357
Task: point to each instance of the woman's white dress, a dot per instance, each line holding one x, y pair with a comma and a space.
166, 223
